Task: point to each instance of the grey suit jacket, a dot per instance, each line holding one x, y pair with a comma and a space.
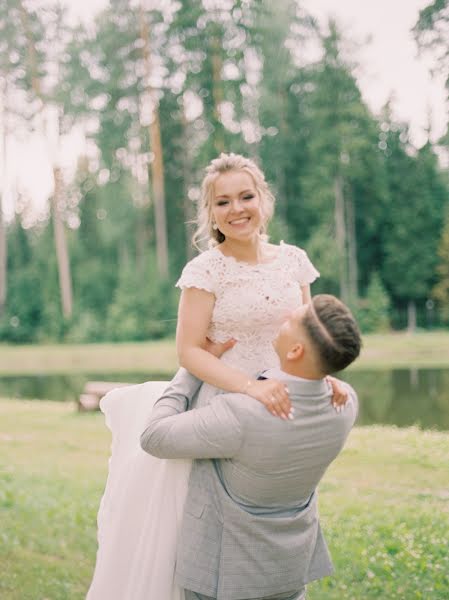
250, 525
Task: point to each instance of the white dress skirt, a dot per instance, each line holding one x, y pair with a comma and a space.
141, 509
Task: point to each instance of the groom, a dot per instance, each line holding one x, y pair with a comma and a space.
250, 527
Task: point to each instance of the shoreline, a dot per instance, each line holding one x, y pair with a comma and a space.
390, 350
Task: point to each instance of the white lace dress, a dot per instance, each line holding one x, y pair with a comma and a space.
141, 509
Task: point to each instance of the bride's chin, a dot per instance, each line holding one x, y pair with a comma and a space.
249, 236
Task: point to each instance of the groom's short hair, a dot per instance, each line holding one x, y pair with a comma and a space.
333, 331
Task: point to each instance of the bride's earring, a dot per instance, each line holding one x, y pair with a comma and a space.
215, 227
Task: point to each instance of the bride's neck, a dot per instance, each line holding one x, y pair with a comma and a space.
249, 251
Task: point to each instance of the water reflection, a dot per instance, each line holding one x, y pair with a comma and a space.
61, 387
403, 397
399, 397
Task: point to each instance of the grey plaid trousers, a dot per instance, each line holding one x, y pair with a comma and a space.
298, 595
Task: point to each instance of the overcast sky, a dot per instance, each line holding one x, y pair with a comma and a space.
389, 65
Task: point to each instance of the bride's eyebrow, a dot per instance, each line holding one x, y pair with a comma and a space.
240, 193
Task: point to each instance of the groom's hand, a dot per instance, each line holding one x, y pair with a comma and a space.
218, 349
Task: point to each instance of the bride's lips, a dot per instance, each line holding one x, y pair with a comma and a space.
239, 222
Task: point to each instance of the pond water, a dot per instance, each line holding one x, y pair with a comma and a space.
401, 397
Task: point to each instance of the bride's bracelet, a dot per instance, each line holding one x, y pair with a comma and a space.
249, 383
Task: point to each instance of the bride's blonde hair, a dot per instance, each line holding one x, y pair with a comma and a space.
223, 164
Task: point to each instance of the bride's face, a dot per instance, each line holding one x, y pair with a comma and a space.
236, 206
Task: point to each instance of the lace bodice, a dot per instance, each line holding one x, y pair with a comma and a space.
251, 300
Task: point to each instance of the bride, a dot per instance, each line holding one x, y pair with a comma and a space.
240, 290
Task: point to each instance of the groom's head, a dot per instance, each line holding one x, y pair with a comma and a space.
318, 338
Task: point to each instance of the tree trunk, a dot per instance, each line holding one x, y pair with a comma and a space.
56, 203
65, 284
353, 275
3, 260
282, 203
411, 316
157, 171
217, 93
188, 208
31, 58
141, 242
3, 241
414, 378
340, 231
156, 167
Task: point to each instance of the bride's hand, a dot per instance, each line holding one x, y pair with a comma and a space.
273, 395
339, 393
217, 348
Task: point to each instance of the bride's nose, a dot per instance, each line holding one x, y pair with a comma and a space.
237, 206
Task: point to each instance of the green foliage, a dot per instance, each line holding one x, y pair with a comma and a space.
340, 139
414, 220
21, 323
441, 289
143, 307
213, 58
322, 252
372, 312
23, 316
238, 84
431, 33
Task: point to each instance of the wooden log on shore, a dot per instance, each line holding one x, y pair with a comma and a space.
94, 391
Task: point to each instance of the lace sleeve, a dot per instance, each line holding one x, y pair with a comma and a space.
198, 273
305, 272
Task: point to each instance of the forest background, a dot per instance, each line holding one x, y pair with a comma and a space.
158, 90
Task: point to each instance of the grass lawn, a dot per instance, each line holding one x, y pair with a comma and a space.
384, 506
393, 350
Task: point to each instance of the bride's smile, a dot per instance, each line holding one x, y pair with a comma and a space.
236, 208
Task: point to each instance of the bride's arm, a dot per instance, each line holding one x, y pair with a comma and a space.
305, 294
194, 315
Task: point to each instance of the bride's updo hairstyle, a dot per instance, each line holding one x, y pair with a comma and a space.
224, 164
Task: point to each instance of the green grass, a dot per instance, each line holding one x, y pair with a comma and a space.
384, 506
52, 472
154, 357
395, 350
426, 349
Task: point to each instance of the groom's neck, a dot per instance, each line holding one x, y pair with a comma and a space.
301, 370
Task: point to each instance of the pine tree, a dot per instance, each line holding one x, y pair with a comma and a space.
12, 58
342, 182
114, 79
441, 290
284, 30
45, 28
414, 219
373, 310
431, 33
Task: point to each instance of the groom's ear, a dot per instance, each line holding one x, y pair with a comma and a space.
296, 352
